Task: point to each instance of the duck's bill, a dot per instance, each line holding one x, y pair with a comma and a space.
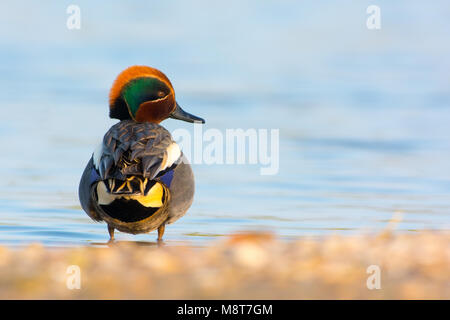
180, 114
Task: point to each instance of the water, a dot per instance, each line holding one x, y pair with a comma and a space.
363, 115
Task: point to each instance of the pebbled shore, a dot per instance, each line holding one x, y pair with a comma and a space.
240, 266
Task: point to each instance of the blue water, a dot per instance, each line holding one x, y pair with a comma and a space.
363, 114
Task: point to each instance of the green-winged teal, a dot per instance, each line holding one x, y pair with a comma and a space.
138, 180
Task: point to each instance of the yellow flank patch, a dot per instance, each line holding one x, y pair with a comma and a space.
153, 198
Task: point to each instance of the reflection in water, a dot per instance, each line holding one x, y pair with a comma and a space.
363, 115
131, 243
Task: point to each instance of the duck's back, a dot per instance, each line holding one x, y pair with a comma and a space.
136, 178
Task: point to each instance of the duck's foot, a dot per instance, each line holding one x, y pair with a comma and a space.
161, 232
111, 234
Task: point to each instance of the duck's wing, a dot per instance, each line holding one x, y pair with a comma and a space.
131, 149
85, 191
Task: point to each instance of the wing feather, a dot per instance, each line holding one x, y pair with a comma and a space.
132, 148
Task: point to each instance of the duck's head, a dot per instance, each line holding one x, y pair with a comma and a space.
145, 94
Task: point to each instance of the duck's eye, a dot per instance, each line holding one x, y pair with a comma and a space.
161, 94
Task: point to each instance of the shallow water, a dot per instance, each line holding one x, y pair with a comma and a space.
363, 115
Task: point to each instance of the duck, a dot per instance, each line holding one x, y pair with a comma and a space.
138, 179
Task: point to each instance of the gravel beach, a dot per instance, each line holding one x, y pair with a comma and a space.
239, 266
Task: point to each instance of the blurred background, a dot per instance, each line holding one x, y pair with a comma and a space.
363, 114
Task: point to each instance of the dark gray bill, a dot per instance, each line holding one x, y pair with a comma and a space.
180, 114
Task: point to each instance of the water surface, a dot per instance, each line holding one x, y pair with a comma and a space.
363, 115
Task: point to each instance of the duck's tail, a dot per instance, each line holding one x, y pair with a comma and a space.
131, 200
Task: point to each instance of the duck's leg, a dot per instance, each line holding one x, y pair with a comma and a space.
161, 231
111, 233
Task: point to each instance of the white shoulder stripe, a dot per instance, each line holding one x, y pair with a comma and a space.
173, 153
97, 155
